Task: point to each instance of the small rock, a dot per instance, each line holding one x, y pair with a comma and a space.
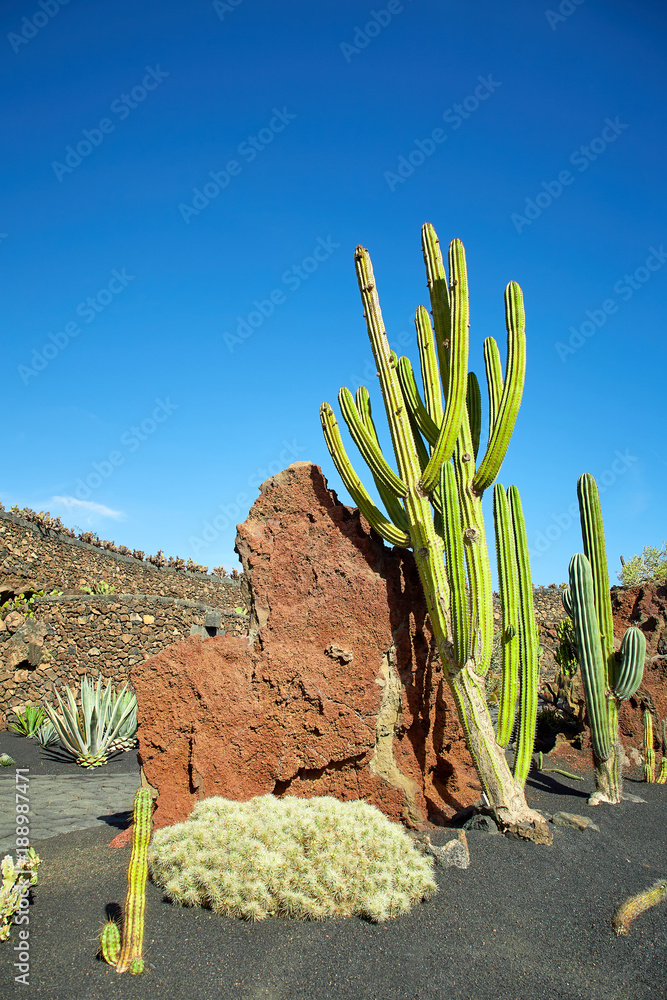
149, 619
574, 822
481, 824
14, 621
336, 653
94, 651
453, 854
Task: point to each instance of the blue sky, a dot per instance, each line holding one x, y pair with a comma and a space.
184, 187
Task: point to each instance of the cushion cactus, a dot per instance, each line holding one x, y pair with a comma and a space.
305, 858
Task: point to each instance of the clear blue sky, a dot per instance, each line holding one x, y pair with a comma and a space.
178, 174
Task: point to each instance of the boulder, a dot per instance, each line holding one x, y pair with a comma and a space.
337, 690
25, 646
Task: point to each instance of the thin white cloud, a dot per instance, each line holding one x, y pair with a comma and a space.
73, 503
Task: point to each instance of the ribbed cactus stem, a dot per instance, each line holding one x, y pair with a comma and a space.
110, 942
608, 677
649, 752
433, 500
592, 533
590, 656
662, 774
129, 954
638, 904
509, 606
529, 660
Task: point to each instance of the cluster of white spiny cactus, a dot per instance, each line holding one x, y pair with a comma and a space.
306, 858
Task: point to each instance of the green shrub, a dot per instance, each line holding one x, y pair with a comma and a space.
649, 567
24, 604
99, 588
305, 858
27, 721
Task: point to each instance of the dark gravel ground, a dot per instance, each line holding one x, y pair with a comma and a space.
522, 923
28, 753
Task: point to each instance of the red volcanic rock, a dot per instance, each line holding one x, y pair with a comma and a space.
646, 607
337, 691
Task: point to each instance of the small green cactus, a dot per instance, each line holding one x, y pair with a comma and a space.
662, 774
635, 905
649, 752
124, 951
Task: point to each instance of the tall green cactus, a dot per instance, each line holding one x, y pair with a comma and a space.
125, 951
521, 664
434, 500
608, 677
649, 752
662, 773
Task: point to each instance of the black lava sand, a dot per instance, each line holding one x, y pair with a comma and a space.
522, 923
28, 753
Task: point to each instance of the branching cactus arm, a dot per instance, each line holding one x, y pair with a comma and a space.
508, 581
434, 498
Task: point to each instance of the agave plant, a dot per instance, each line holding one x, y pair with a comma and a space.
28, 721
89, 733
126, 737
46, 735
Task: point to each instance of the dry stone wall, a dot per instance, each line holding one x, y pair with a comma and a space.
73, 635
548, 612
36, 558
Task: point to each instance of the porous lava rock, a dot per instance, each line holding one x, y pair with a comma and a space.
338, 690
644, 606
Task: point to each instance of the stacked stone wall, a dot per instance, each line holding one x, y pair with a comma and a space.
33, 557
76, 635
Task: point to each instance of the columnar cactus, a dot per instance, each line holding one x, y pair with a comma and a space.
125, 951
649, 752
608, 678
434, 501
662, 773
521, 664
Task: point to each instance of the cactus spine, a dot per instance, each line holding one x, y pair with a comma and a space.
608, 678
125, 951
649, 752
635, 905
435, 501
